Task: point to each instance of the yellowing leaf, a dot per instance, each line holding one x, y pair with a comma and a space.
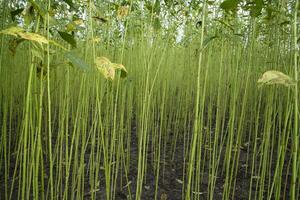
276, 77
96, 40
70, 27
12, 31
122, 68
78, 22
18, 31
107, 68
122, 12
111, 72
33, 37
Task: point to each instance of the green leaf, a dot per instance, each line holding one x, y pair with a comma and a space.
229, 4
156, 8
76, 61
208, 40
14, 13
256, 9
69, 2
149, 6
39, 7
68, 38
156, 23
210, 3
29, 15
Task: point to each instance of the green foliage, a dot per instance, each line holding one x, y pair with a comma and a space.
196, 98
16, 12
76, 60
256, 9
68, 38
70, 3
40, 7
228, 5
156, 23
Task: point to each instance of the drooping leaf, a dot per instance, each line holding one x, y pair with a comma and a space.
107, 68
76, 61
14, 13
229, 4
275, 77
122, 68
33, 37
68, 38
17, 31
12, 31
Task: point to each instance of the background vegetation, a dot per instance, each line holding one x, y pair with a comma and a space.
149, 99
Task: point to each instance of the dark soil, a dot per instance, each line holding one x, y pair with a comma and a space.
170, 181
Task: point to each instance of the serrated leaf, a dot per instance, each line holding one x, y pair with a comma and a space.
276, 77
76, 61
68, 38
14, 13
